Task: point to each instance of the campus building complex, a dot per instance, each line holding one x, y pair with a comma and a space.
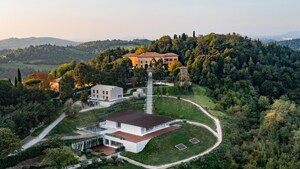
144, 60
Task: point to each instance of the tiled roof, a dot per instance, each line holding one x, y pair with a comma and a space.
138, 119
150, 54
136, 139
130, 55
104, 87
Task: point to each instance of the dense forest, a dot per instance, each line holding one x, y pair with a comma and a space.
258, 86
294, 43
23, 109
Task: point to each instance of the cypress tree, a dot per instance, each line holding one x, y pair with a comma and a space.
194, 34
19, 76
16, 82
9, 80
175, 36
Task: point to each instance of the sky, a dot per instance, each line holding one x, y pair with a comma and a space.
84, 20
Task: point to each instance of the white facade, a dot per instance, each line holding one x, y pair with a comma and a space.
135, 130
111, 141
139, 93
114, 141
101, 95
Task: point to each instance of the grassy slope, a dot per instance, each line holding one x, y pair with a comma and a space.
179, 109
68, 125
161, 150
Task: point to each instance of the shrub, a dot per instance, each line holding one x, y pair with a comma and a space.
103, 159
110, 161
33, 81
114, 157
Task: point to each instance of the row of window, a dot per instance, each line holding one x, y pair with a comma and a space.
104, 97
97, 91
166, 60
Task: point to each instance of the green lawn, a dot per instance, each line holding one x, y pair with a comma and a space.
162, 150
199, 95
180, 109
68, 125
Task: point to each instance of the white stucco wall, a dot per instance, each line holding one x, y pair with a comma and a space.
103, 92
115, 92
129, 146
125, 127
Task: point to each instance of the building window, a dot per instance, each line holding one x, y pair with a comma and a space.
119, 96
116, 144
93, 95
106, 92
167, 60
106, 141
106, 97
97, 96
141, 61
103, 92
118, 125
97, 91
103, 97
93, 91
170, 59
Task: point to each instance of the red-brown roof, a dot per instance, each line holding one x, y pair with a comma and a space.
150, 54
138, 119
130, 55
136, 139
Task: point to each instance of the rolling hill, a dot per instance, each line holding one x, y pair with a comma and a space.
15, 43
46, 57
294, 43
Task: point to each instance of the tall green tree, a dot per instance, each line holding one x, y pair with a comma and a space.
19, 76
67, 86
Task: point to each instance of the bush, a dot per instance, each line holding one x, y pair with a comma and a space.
110, 161
103, 159
33, 81
114, 157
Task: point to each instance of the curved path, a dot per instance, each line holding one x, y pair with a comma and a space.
218, 133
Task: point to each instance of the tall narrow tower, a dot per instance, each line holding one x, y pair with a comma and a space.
149, 99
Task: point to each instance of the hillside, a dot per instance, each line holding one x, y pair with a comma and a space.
294, 43
97, 47
15, 43
46, 57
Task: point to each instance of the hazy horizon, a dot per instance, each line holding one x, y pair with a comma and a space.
116, 19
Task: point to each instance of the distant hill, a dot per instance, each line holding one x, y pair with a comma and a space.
15, 43
46, 57
280, 37
97, 47
294, 43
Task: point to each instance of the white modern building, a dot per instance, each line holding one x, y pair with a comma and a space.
105, 95
134, 130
